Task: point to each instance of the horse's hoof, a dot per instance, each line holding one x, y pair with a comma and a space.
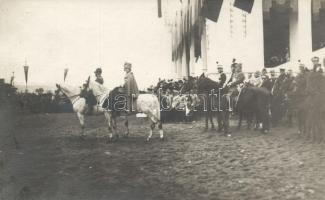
82, 137
108, 140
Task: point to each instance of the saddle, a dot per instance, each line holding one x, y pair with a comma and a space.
90, 98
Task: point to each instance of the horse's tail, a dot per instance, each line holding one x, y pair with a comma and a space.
157, 108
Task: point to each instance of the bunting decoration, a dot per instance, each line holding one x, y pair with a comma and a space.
159, 9
231, 19
186, 20
211, 9
26, 67
244, 20
65, 74
12, 78
245, 5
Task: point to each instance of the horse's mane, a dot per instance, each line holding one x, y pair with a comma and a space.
69, 90
116, 91
205, 83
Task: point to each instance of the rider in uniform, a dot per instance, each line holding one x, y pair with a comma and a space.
130, 88
237, 78
99, 78
222, 76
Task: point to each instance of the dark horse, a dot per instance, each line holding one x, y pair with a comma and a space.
254, 101
214, 100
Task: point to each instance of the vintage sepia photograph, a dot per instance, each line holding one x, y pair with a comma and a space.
162, 100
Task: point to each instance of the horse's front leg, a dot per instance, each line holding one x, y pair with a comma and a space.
126, 124
211, 121
161, 131
206, 121
108, 117
152, 127
226, 115
240, 120
220, 120
81, 118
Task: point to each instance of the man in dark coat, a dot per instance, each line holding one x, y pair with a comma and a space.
130, 87
278, 100
266, 81
222, 77
277, 88
272, 77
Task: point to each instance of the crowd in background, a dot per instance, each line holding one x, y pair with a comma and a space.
285, 86
36, 102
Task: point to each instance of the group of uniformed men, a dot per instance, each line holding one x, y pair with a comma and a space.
258, 79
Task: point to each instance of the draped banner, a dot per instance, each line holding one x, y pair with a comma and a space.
187, 23
65, 74
211, 9
12, 79
246, 5
26, 73
159, 8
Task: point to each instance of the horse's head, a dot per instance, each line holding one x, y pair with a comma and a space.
205, 84
189, 85
69, 91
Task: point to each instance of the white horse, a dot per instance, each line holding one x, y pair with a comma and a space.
146, 103
79, 104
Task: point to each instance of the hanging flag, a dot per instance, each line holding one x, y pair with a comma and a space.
65, 73
211, 9
159, 8
26, 73
12, 79
245, 5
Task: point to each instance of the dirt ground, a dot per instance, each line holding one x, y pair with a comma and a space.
51, 162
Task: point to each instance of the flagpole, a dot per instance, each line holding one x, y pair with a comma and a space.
26, 74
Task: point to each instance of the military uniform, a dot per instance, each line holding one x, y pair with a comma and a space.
222, 79
130, 88
238, 78
266, 83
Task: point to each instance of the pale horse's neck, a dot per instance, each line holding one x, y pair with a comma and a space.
72, 95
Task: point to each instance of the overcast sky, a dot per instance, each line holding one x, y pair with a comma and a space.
82, 35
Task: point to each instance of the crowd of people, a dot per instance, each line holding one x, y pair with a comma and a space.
288, 90
38, 102
33, 102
